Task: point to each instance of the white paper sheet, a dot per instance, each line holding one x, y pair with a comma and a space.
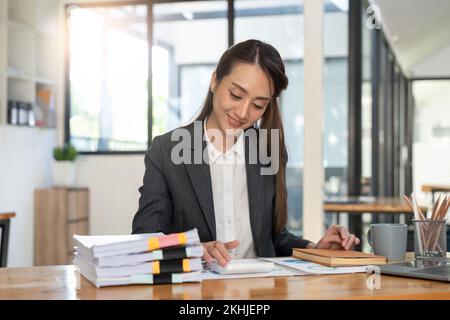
313, 268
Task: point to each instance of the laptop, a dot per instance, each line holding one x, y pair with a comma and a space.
430, 268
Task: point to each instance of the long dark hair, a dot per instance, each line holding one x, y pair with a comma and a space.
268, 58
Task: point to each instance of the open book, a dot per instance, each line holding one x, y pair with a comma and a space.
338, 258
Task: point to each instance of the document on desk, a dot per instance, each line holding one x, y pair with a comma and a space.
277, 271
313, 268
104, 246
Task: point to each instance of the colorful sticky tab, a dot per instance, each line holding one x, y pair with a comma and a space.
186, 265
153, 243
156, 267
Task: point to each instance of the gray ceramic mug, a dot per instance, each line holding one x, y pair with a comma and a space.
388, 240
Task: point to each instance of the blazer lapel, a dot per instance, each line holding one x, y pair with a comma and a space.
200, 177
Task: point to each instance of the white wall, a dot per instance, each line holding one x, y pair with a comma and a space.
25, 164
431, 153
113, 182
431, 166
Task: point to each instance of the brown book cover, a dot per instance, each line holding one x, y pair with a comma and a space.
338, 258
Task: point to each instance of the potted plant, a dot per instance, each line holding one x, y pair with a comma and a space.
64, 169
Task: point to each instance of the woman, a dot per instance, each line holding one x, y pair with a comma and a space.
208, 181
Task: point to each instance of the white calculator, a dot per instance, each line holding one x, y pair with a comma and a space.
242, 266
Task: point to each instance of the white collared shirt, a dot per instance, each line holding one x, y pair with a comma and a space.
230, 196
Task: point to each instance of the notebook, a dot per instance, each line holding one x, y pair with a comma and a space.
338, 258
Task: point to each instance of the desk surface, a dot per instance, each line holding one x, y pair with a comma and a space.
60, 282
6, 216
368, 204
435, 188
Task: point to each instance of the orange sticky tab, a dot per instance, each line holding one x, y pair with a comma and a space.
186, 265
156, 269
153, 243
182, 239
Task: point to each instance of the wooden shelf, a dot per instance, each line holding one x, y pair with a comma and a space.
41, 80
20, 76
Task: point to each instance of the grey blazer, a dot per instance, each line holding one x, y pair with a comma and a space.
178, 197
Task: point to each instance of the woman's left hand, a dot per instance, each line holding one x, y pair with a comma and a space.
337, 237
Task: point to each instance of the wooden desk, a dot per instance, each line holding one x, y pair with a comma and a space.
376, 205
60, 282
4, 227
433, 188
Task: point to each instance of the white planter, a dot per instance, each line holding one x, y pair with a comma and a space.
64, 173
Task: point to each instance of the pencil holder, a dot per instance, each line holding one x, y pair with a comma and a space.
430, 238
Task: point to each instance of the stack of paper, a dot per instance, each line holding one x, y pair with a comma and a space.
139, 259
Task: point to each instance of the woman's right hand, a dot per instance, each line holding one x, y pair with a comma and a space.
219, 251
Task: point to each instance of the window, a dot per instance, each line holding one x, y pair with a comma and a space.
108, 78
188, 40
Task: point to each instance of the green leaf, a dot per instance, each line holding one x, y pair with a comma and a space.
65, 153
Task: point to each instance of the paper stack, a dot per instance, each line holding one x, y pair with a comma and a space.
139, 259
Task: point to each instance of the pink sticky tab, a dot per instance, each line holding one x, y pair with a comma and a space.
168, 241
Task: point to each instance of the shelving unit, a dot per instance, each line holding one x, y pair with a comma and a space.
28, 52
